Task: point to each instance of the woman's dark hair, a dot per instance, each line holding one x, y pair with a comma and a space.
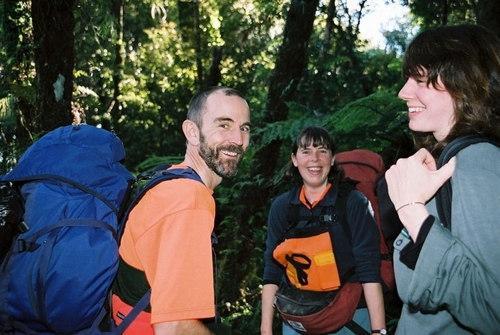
467, 60
317, 136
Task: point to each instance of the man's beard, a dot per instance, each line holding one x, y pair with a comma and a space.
224, 168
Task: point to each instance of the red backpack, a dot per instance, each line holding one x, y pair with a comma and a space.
367, 167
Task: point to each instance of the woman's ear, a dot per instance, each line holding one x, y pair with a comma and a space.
294, 160
191, 132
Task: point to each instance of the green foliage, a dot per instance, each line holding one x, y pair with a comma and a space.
436, 12
144, 97
378, 122
155, 161
359, 123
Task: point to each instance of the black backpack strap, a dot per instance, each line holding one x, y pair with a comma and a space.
444, 194
293, 210
356, 328
340, 207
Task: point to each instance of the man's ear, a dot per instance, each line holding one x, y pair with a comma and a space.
191, 131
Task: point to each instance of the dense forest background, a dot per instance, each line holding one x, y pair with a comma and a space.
132, 66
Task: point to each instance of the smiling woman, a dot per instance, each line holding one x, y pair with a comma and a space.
447, 272
320, 184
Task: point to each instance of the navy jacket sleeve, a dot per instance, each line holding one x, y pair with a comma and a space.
276, 226
365, 238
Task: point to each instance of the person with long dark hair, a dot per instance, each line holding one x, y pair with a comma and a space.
449, 277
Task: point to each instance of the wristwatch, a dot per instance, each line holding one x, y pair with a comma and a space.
379, 331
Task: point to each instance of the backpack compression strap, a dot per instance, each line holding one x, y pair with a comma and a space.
138, 308
444, 194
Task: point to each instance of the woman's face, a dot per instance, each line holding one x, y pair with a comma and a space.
314, 164
430, 109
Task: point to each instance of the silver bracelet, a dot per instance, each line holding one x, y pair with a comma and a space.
411, 203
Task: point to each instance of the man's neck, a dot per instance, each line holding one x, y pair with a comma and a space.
209, 177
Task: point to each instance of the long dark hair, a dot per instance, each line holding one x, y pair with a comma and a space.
467, 60
317, 136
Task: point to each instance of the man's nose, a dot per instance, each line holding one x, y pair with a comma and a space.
237, 137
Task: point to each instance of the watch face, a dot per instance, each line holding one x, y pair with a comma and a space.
383, 332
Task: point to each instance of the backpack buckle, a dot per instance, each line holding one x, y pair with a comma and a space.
328, 218
23, 245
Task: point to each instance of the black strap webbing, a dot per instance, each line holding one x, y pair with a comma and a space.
444, 195
339, 210
356, 328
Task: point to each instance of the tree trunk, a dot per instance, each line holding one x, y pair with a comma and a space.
17, 70
117, 12
330, 24
444, 12
488, 12
197, 38
53, 25
214, 75
290, 65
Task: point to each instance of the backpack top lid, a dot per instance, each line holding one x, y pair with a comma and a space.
80, 154
359, 160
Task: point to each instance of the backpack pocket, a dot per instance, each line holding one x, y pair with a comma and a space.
62, 276
308, 257
61, 270
309, 312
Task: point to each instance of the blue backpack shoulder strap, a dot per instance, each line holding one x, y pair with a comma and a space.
158, 175
444, 194
138, 308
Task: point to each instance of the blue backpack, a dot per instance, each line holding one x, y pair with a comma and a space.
56, 276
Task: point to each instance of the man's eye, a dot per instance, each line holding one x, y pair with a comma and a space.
224, 125
245, 129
